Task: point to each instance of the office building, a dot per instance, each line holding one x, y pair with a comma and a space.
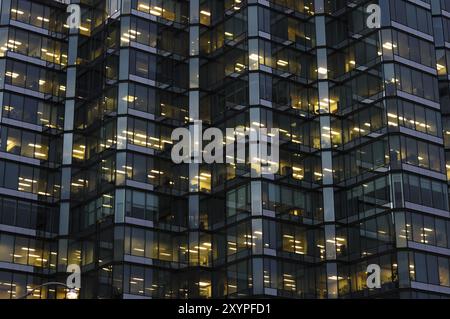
87, 178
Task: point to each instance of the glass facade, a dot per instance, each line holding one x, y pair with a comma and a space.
87, 178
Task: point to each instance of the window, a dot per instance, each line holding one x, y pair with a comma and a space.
138, 208
24, 143
432, 270
411, 15
35, 78
37, 15
417, 191
147, 205
138, 242
23, 214
6, 248
143, 64
441, 233
11, 174
444, 271
136, 280
420, 267
417, 83
414, 116
8, 212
